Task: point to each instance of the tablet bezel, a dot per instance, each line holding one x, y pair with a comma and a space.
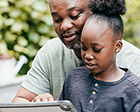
65, 105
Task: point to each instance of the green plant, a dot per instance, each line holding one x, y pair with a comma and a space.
132, 22
25, 26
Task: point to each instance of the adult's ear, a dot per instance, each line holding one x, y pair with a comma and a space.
118, 46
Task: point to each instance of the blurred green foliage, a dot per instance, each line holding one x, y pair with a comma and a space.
132, 22
26, 25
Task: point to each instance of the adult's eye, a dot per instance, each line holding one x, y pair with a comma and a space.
75, 16
58, 20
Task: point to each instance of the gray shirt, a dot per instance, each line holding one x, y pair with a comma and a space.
54, 61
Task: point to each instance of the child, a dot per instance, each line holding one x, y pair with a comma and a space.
101, 86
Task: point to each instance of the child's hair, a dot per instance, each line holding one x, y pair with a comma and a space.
109, 11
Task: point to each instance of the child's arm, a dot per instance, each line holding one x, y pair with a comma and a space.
65, 92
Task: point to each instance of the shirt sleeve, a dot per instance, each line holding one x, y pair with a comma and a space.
65, 89
136, 105
62, 95
132, 101
38, 80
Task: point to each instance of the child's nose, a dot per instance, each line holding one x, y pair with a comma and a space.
88, 56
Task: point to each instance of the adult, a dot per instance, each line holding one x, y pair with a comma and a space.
54, 60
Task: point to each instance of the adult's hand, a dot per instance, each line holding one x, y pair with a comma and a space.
43, 98
23, 95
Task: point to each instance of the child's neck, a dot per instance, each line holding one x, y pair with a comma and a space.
111, 75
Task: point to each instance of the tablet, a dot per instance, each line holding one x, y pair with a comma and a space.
51, 106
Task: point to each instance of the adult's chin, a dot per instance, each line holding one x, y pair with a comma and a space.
71, 39
74, 46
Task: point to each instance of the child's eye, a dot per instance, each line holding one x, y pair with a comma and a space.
96, 50
84, 48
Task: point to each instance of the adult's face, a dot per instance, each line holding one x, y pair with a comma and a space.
69, 17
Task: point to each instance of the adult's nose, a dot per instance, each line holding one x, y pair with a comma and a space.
66, 25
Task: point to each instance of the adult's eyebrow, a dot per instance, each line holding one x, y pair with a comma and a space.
54, 13
95, 44
71, 8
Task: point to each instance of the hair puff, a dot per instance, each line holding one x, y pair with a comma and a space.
108, 7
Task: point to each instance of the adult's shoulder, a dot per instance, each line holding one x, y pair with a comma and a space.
130, 47
54, 46
129, 57
54, 43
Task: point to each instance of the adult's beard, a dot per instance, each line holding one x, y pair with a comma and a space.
74, 46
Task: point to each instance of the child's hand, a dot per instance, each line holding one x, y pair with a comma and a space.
43, 98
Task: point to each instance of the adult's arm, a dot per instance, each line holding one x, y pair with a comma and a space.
39, 82
23, 95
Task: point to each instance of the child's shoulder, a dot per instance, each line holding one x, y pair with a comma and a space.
134, 80
79, 72
79, 75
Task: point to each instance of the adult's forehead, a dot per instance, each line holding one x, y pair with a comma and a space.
62, 3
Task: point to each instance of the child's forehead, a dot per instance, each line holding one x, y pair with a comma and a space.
97, 31
95, 25
96, 22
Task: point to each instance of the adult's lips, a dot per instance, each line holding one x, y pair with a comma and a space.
69, 37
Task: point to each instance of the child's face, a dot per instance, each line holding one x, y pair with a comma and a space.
98, 47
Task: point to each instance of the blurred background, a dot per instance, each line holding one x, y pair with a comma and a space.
26, 25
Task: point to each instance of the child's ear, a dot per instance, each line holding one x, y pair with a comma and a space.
118, 46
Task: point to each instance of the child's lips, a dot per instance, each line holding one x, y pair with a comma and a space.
91, 66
